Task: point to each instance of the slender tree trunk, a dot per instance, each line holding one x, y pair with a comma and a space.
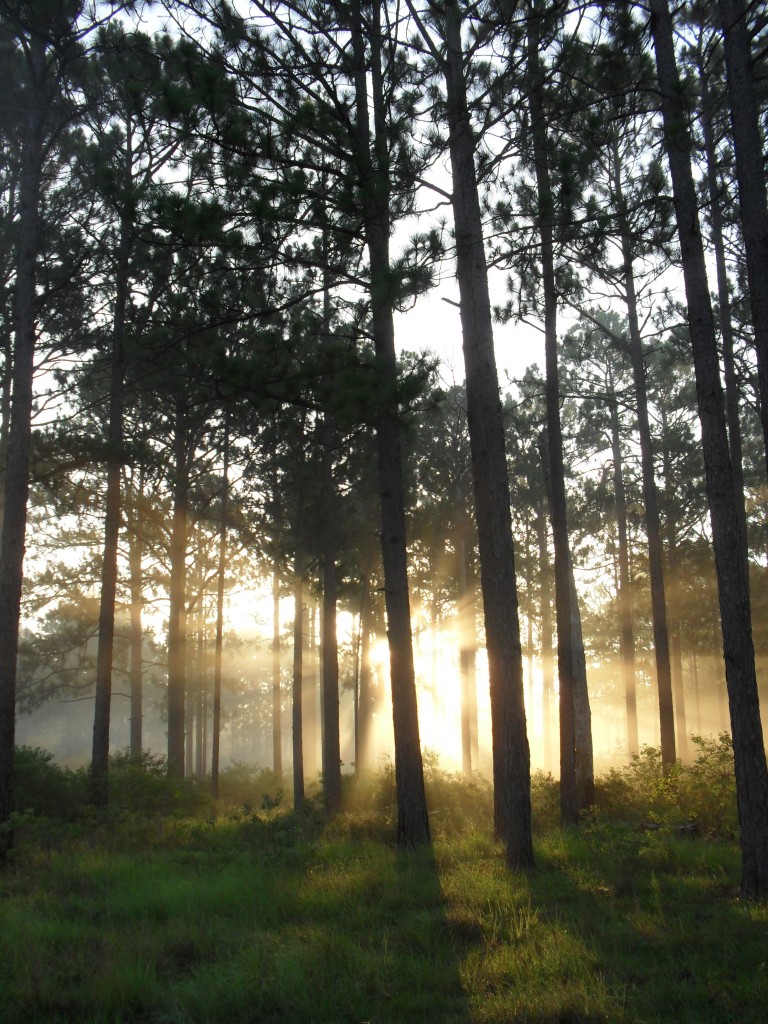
467, 640
356, 643
5, 411
733, 590
528, 619
547, 653
309, 695
511, 753
331, 750
750, 173
569, 794
673, 592
413, 821
189, 731
277, 717
218, 650
582, 713
724, 302
676, 656
200, 697
299, 632
177, 620
108, 593
626, 629
650, 496
365, 697
696, 692
19, 436
135, 559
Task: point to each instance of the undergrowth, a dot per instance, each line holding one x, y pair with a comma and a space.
700, 797
190, 913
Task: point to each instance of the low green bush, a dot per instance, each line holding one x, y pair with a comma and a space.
700, 796
249, 787
46, 789
142, 786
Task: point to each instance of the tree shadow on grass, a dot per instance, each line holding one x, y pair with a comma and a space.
353, 931
657, 925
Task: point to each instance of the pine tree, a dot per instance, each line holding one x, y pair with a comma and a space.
511, 754
749, 750
48, 34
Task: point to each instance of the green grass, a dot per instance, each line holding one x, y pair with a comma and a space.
270, 917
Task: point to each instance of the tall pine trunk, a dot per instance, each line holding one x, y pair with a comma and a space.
626, 627
750, 174
177, 618
20, 430
724, 303
277, 716
650, 494
732, 575
331, 750
5, 411
511, 753
136, 586
112, 516
310, 721
576, 774
466, 615
547, 650
673, 594
365, 696
218, 650
297, 725
412, 819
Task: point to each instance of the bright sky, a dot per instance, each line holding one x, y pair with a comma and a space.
434, 324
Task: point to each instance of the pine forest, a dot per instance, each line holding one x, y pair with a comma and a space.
384, 450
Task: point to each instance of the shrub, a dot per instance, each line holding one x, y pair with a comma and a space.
143, 787
702, 794
708, 787
545, 800
250, 787
45, 789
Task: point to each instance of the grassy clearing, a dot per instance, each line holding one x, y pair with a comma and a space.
270, 917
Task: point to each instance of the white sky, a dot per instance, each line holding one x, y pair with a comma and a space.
435, 325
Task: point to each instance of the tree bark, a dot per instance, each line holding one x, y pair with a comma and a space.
547, 652
575, 788
466, 615
277, 717
511, 753
299, 628
177, 619
20, 431
673, 592
582, 713
331, 750
650, 495
199, 702
135, 560
750, 174
724, 302
218, 651
310, 693
112, 507
413, 821
733, 590
365, 696
626, 630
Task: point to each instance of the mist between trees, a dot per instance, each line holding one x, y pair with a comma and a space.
258, 526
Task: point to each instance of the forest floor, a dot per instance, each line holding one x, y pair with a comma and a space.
268, 916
